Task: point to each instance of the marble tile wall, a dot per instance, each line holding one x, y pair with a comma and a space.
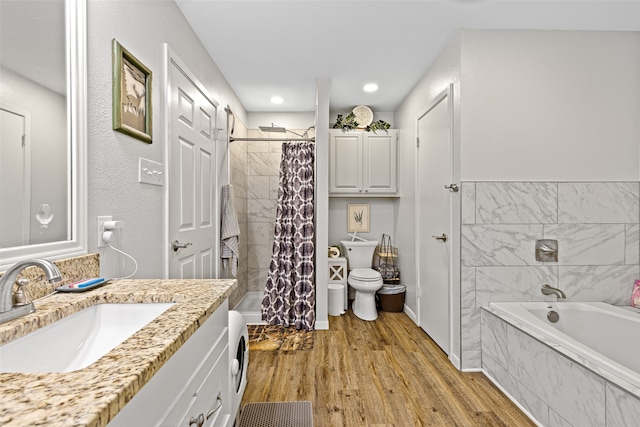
263, 170
598, 232
553, 389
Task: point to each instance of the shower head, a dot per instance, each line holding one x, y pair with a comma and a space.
272, 128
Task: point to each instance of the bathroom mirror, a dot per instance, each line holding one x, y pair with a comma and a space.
42, 129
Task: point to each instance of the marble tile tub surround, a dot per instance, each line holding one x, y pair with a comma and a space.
72, 270
553, 388
598, 232
94, 395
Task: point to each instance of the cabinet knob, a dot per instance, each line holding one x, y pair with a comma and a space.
198, 422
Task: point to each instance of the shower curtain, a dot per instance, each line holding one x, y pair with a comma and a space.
289, 295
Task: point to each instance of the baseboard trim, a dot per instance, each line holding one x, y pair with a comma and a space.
322, 325
411, 314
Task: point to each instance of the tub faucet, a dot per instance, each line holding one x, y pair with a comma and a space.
7, 310
549, 290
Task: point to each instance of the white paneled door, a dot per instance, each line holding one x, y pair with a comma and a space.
434, 221
191, 199
15, 162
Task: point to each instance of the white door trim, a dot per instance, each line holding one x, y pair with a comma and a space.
443, 95
172, 58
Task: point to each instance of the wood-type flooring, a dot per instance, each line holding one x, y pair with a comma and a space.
382, 373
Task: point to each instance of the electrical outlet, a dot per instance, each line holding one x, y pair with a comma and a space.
101, 221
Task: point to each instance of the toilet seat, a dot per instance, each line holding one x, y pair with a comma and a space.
365, 275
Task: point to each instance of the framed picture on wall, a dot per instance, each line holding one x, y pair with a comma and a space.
358, 218
131, 95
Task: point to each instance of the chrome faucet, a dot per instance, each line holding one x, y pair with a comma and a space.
7, 309
549, 290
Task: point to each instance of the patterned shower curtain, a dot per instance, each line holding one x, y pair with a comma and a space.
290, 294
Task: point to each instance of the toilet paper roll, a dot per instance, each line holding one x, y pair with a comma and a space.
334, 252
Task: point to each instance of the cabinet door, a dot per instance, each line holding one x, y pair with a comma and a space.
380, 173
345, 170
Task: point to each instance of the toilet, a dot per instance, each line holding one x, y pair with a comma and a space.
365, 280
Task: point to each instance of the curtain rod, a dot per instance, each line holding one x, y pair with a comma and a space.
232, 139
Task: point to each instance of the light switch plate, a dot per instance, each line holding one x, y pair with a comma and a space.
150, 172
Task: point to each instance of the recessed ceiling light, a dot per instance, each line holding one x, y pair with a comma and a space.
370, 87
277, 100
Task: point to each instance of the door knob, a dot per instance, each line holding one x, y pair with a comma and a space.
175, 245
452, 187
442, 238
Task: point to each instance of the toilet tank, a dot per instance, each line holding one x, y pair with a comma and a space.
358, 253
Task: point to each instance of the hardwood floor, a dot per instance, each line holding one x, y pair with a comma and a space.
382, 373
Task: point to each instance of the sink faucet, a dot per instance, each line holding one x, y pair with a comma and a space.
549, 290
7, 310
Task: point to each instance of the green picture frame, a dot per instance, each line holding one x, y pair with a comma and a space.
132, 108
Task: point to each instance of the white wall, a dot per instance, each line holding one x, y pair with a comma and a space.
142, 28
382, 218
49, 150
444, 71
297, 120
550, 105
529, 106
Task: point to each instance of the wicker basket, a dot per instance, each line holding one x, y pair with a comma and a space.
385, 260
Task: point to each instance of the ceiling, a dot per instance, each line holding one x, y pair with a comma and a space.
266, 48
32, 41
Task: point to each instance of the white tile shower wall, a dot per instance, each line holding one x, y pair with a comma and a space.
597, 228
238, 178
263, 170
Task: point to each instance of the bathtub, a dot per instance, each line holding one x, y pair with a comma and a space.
583, 369
600, 333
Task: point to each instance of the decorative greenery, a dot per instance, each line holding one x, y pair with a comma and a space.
346, 123
378, 125
349, 123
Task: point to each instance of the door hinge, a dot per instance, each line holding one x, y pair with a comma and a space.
418, 291
24, 141
417, 142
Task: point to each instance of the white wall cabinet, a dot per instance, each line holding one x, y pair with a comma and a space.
363, 164
192, 388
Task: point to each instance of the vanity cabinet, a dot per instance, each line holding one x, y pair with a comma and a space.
192, 388
363, 164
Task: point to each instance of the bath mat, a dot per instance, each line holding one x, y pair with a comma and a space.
278, 338
277, 414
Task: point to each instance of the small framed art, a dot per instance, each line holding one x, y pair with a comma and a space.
358, 218
131, 95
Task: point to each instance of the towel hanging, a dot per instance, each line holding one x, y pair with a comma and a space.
230, 231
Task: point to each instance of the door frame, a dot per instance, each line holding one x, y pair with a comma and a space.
444, 95
26, 170
170, 59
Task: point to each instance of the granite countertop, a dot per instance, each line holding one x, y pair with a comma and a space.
94, 395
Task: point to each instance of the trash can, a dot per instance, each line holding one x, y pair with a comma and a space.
391, 298
336, 299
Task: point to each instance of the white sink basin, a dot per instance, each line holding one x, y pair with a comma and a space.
78, 340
